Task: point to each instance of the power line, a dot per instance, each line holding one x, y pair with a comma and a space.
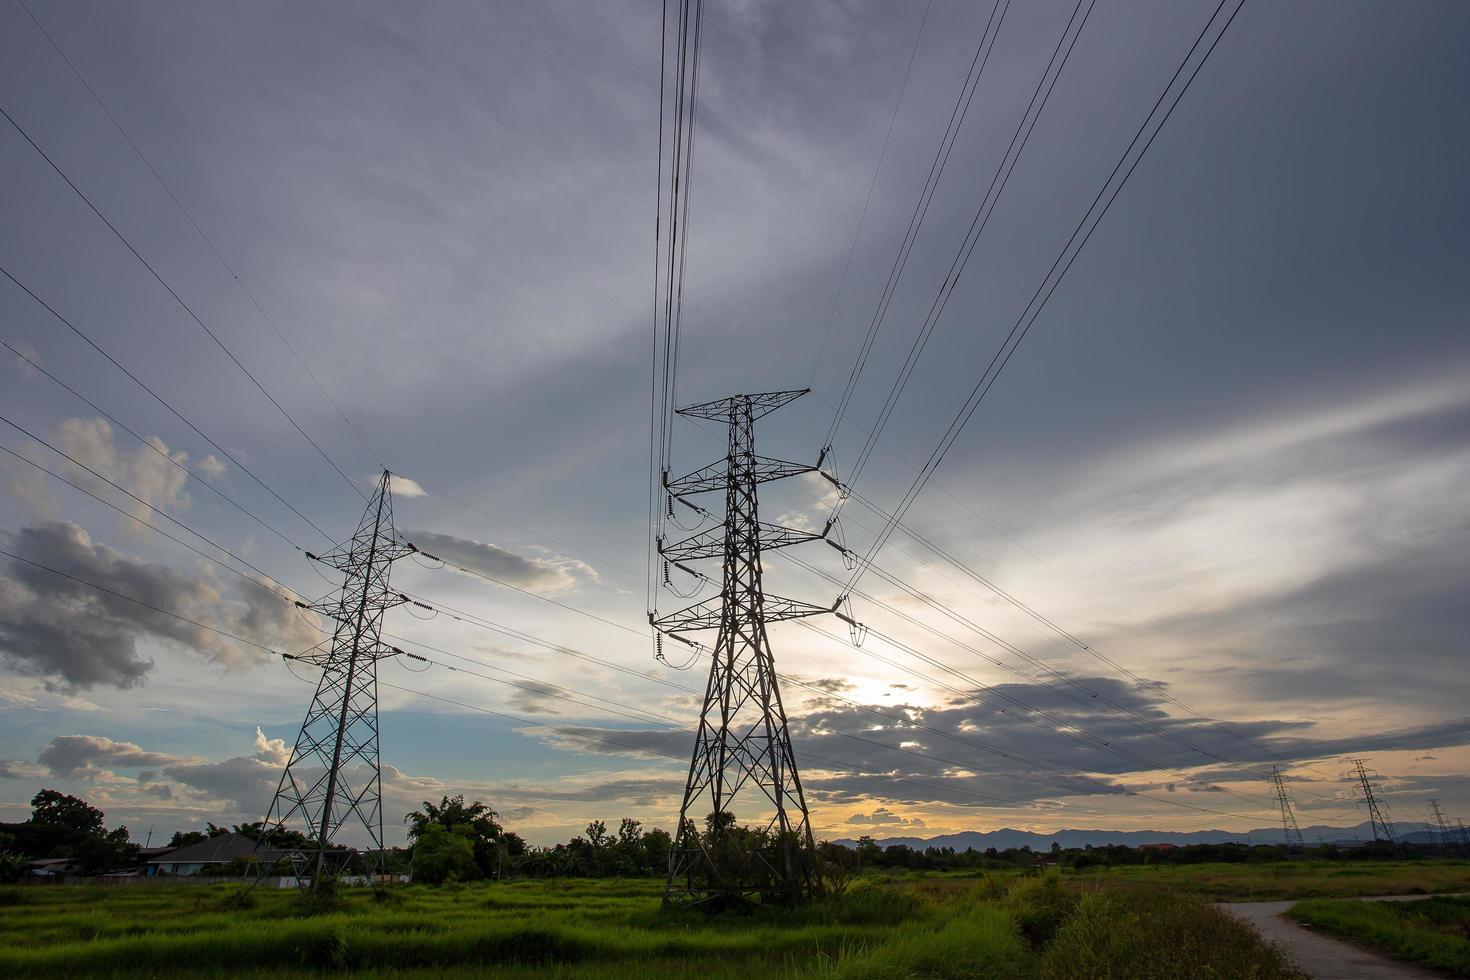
207, 241
136, 602
1030, 611
180, 300
998, 181
532, 531
535, 595
1048, 286
921, 207
908, 723
261, 646
174, 462
159, 398
133, 517
868, 201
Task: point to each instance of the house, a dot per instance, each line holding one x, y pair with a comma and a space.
1145, 848
54, 867
209, 854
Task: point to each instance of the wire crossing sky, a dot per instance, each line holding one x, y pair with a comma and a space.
1208, 520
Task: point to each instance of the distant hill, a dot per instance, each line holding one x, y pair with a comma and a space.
1415, 833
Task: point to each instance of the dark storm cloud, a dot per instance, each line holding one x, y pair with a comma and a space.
76, 637
539, 574
970, 755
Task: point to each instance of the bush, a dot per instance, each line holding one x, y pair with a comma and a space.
1159, 936
1040, 906
443, 856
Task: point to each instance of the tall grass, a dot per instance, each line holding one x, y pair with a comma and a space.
991, 926
1159, 937
1434, 932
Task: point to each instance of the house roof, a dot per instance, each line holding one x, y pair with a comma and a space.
217, 850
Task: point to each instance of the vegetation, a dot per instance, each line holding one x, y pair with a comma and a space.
1286, 880
1012, 925
64, 826
1434, 932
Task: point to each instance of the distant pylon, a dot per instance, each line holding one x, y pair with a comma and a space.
742, 741
1289, 830
1382, 829
333, 780
1441, 823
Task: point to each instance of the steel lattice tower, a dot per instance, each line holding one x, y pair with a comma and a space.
333, 781
742, 743
1440, 822
1289, 829
1376, 818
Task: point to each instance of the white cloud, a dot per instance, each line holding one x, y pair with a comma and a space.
402, 486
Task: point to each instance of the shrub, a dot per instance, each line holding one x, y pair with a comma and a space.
1040, 906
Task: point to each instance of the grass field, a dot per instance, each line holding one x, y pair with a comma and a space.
1434, 932
987, 926
1287, 880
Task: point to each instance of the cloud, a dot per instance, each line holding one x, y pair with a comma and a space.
16, 769
550, 575
884, 817
212, 468
402, 486
532, 697
66, 755
147, 474
76, 637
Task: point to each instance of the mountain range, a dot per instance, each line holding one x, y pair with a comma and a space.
1414, 833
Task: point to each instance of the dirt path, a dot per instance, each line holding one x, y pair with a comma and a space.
1322, 956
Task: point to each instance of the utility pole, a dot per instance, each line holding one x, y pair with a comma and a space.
333, 779
742, 743
1382, 829
1439, 821
1290, 832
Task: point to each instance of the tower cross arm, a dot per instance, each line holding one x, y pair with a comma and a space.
710, 543
713, 477
710, 614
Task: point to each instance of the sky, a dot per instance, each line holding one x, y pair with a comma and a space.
1210, 519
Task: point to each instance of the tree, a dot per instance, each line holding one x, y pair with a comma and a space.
57, 809
477, 818
277, 836
183, 838
100, 853
441, 855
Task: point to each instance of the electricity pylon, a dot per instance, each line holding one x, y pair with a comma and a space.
1290, 831
1382, 829
333, 780
1441, 823
742, 743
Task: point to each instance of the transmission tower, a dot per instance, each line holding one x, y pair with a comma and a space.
1289, 830
742, 743
332, 781
1441, 823
1382, 828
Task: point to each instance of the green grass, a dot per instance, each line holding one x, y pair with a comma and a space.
1434, 932
1286, 880
993, 926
